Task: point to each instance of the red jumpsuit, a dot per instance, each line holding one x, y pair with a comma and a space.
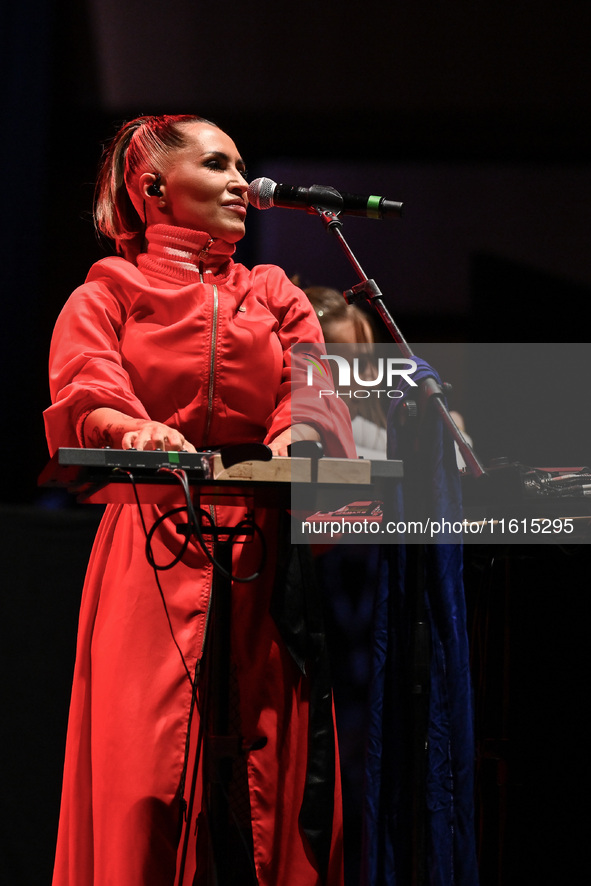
213, 360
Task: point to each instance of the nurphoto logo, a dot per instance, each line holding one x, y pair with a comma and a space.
362, 372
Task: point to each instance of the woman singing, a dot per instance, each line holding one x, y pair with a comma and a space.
172, 345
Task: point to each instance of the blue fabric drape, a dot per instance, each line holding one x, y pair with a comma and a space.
390, 780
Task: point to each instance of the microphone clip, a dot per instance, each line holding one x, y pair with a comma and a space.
330, 219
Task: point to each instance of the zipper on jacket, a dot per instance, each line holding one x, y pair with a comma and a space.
214, 332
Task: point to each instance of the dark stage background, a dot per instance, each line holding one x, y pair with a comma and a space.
473, 114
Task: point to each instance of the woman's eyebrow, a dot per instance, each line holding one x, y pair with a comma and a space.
220, 155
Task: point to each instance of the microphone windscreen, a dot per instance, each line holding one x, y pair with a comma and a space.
260, 193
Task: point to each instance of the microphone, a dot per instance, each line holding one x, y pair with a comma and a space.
263, 193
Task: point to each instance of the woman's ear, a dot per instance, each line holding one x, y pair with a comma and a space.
150, 185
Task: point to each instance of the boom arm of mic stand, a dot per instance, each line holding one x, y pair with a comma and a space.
369, 290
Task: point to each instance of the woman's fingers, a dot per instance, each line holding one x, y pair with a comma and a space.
154, 435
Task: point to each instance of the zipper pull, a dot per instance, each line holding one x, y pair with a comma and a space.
202, 257
205, 251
